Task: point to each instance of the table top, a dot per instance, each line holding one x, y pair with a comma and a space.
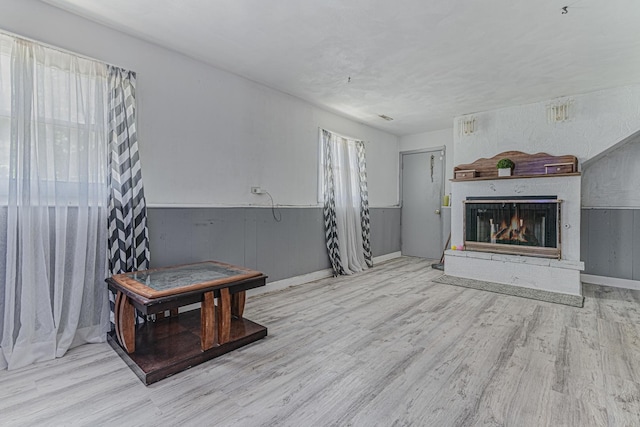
167, 281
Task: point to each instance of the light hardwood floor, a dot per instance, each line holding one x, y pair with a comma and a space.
386, 347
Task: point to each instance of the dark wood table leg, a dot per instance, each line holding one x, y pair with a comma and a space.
237, 303
124, 319
223, 316
207, 321
215, 321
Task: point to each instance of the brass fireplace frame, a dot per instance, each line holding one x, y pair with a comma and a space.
536, 251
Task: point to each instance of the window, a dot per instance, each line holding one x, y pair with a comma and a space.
344, 164
53, 106
5, 107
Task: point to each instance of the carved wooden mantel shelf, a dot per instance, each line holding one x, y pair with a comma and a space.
526, 166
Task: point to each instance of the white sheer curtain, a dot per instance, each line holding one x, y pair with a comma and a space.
346, 204
53, 193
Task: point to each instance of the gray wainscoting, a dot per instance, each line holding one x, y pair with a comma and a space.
3, 261
250, 236
610, 242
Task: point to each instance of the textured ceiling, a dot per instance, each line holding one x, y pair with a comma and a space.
420, 62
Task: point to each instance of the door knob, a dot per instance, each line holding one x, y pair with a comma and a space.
437, 211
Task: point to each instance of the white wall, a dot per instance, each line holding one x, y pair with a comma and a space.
426, 140
611, 180
206, 136
600, 120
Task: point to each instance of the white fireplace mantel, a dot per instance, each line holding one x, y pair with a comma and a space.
561, 276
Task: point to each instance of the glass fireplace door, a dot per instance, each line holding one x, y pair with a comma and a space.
522, 226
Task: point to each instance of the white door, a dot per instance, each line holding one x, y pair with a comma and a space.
422, 191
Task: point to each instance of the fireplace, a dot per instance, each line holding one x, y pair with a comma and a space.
526, 225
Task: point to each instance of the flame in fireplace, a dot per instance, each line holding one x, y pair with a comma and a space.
514, 232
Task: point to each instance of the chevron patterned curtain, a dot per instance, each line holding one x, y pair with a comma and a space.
346, 204
330, 226
128, 233
364, 204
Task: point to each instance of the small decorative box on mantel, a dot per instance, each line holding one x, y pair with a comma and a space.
466, 174
554, 168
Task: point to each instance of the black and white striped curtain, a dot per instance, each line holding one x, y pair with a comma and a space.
346, 204
330, 225
364, 204
128, 233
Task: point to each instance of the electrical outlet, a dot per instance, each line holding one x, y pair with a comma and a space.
257, 190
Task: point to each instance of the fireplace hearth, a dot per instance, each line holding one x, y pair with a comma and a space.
527, 225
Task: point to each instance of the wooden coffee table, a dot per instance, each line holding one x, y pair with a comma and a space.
174, 342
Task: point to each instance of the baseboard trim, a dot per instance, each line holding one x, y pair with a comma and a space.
611, 281
278, 285
386, 257
310, 277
